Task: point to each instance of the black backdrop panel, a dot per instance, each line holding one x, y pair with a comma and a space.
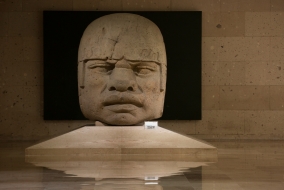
182, 36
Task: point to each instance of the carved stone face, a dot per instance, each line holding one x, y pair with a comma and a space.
122, 70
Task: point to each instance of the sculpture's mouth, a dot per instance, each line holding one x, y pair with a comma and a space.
121, 108
122, 103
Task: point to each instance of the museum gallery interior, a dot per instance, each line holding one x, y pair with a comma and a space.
142, 94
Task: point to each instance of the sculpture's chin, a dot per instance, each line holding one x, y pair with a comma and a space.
99, 123
122, 119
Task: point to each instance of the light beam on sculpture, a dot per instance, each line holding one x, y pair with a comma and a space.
122, 70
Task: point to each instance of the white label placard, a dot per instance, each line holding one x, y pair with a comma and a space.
151, 124
151, 183
150, 178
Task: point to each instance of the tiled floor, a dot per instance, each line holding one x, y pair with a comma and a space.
248, 165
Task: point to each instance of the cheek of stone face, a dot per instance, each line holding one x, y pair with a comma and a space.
91, 95
94, 79
150, 85
151, 90
90, 103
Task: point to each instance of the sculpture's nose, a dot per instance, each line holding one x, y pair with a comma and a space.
122, 79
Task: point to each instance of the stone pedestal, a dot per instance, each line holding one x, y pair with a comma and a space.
121, 143
107, 153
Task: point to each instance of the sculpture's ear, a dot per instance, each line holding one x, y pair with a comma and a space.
163, 77
81, 75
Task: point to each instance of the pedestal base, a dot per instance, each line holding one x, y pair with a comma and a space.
122, 144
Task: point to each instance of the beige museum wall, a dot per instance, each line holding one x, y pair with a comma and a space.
243, 67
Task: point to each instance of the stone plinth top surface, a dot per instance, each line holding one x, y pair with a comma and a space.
123, 143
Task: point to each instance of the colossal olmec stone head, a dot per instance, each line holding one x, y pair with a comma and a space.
122, 70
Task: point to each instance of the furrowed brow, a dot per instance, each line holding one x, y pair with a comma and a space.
105, 60
131, 62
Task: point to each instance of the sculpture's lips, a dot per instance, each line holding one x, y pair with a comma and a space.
122, 102
121, 108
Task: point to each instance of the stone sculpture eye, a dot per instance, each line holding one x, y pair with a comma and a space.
145, 68
100, 67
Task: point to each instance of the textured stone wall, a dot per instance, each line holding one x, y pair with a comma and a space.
243, 67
